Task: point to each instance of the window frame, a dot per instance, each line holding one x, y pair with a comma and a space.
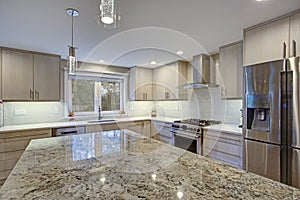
97, 96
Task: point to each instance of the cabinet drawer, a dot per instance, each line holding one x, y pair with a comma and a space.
18, 143
11, 155
45, 132
8, 164
234, 161
221, 146
4, 175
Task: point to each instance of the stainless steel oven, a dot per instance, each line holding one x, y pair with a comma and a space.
188, 134
189, 143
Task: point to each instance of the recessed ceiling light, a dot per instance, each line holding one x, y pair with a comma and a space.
259, 0
153, 62
101, 61
179, 52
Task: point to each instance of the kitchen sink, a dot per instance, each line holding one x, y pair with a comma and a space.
102, 120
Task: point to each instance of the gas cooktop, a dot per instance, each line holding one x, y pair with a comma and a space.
197, 122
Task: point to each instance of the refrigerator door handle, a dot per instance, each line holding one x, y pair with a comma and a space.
294, 48
284, 50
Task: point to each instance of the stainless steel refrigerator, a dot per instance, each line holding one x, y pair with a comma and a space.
271, 120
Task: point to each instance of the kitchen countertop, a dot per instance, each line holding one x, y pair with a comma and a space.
231, 128
126, 165
78, 123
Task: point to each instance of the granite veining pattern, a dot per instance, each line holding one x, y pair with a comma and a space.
126, 165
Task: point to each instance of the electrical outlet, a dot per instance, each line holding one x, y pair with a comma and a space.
55, 110
20, 112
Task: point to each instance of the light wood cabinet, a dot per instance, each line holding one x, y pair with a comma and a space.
265, 43
295, 33
166, 80
17, 75
12, 146
142, 127
225, 147
28, 76
231, 70
140, 84
94, 128
46, 77
161, 131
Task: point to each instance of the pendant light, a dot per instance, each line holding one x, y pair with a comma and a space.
109, 15
72, 60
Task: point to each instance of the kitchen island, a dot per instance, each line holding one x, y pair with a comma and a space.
126, 165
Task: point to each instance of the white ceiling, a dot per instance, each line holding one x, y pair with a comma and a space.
149, 29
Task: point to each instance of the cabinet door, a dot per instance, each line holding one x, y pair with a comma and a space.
231, 69
295, 33
17, 75
140, 84
265, 43
165, 81
46, 77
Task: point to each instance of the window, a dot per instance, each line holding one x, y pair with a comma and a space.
83, 92
88, 93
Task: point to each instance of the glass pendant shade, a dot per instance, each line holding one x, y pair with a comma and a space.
72, 61
107, 11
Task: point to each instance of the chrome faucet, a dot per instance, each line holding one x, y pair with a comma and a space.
99, 113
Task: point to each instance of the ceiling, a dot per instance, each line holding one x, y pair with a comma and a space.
149, 29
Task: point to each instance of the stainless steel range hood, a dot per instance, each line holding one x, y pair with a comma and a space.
202, 72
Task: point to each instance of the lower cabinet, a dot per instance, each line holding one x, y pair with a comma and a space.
225, 147
103, 127
12, 146
161, 131
142, 127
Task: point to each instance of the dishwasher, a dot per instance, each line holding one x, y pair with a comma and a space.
66, 131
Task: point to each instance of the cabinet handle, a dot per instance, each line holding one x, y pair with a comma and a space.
31, 94
167, 95
37, 94
284, 50
294, 48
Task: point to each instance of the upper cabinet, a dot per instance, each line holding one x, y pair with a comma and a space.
265, 43
295, 33
27, 76
140, 84
17, 75
166, 80
46, 77
231, 70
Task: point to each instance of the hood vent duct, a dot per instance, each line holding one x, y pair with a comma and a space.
203, 73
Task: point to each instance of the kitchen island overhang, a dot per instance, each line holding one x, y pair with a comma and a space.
125, 165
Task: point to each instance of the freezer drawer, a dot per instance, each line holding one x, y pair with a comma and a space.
262, 159
294, 176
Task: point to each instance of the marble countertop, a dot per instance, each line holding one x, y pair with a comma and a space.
231, 128
78, 123
126, 165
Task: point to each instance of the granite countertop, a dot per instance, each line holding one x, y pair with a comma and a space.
79, 123
127, 165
